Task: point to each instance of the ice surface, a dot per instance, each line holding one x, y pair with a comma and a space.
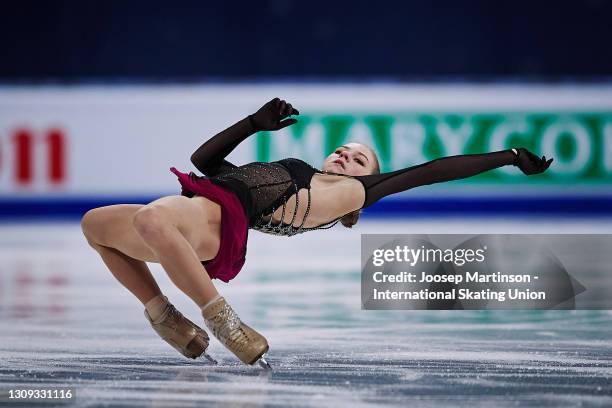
65, 321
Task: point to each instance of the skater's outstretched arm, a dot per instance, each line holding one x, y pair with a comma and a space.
210, 157
449, 168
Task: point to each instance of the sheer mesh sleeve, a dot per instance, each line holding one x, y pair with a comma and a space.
210, 157
449, 168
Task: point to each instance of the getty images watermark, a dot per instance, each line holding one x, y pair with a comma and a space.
457, 271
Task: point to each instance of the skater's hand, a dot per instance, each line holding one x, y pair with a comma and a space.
271, 115
529, 163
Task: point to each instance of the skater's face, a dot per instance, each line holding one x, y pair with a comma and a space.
354, 159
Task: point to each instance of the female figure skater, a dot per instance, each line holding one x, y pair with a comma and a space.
201, 234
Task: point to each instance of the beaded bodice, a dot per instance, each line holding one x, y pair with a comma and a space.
266, 187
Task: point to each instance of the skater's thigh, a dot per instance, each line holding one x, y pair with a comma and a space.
197, 218
112, 226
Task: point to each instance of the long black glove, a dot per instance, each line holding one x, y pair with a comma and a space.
271, 115
209, 158
529, 163
448, 168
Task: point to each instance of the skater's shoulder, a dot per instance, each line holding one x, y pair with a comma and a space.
299, 169
296, 164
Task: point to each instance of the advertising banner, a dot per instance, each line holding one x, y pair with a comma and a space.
118, 142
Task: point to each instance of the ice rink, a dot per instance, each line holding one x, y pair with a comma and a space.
66, 322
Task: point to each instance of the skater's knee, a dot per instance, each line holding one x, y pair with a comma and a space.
151, 222
94, 244
90, 226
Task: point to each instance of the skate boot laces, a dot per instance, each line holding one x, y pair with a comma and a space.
238, 337
227, 326
181, 333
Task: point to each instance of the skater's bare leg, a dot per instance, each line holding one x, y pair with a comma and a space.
172, 227
198, 219
110, 230
112, 226
131, 273
173, 238
99, 225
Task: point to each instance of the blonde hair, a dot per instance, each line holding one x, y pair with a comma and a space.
351, 219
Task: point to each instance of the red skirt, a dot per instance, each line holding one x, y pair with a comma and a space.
234, 225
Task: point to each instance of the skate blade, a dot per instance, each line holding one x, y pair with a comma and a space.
263, 363
209, 358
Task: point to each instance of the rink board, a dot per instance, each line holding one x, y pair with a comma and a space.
65, 149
